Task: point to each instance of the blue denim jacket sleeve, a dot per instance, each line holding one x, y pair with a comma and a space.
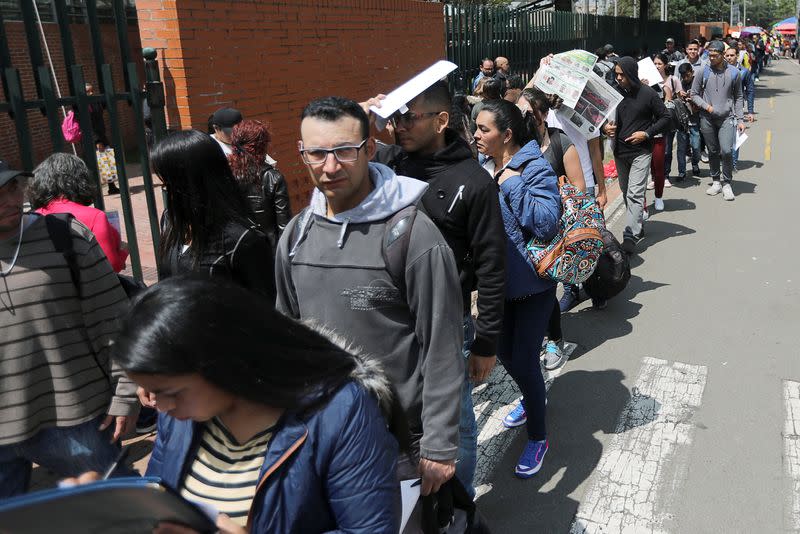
534, 200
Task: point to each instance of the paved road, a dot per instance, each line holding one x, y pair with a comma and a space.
677, 410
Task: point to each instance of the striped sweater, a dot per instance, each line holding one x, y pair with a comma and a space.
55, 367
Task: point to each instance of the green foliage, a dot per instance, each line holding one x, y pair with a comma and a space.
762, 13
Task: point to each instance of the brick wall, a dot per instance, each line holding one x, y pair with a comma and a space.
270, 58
15, 33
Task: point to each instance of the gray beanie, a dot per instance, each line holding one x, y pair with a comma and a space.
716, 46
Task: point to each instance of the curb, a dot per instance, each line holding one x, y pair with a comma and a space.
613, 210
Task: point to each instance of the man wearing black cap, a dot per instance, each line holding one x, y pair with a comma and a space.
63, 403
672, 53
717, 91
223, 120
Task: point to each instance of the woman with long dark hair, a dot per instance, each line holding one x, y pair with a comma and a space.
208, 226
263, 184
662, 142
531, 206
262, 417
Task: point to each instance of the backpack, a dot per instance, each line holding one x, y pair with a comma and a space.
394, 245
59, 229
734, 72
613, 270
71, 129
679, 114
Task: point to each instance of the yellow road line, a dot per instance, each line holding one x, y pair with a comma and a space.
772, 103
768, 146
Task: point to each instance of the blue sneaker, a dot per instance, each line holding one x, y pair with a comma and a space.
570, 298
517, 417
553, 355
531, 460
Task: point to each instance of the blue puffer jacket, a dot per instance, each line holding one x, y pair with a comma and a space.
531, 206
333, 471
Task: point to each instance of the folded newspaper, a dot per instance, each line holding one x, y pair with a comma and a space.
588, 99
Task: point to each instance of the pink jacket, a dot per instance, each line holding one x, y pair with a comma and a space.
96, 220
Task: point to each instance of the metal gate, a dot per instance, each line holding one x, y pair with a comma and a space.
33, 14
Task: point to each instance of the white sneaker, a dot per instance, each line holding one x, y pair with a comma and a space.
659, 204
650, 185
727, 192
715, 189
645, 215
704, 157
667, 183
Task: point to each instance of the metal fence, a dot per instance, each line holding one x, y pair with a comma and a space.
476, 32
16, 103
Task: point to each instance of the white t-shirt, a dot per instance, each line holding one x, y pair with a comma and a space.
580, 142
226, 148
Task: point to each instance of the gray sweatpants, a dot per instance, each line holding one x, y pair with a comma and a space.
633, 174
719, 135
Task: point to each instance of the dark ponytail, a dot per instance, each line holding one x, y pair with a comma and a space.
507, 116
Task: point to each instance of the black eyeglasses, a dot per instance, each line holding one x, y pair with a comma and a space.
410, 118
343, 154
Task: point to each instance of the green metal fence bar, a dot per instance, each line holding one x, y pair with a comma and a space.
20, 115
97, 41
51, 109
5, 56
32, 37
68, 51
87, 139
121, 21
122, 175
141, 139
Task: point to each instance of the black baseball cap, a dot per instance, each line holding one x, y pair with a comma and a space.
7, 174
226, 117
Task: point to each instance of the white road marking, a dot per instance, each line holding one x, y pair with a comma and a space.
492, 402
645, 462
791, 453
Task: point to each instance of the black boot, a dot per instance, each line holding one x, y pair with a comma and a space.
112, 188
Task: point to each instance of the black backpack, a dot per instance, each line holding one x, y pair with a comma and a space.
613, 270
58, 227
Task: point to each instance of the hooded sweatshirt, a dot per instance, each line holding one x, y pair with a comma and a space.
722, 90
461, 199
641, 110
330, 270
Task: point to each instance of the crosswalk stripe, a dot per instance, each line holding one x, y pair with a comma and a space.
791, 452
645, 462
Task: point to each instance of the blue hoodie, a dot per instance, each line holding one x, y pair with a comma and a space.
531, 206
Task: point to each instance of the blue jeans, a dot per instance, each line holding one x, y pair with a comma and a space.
524, 323
670, 140
468, 428
685, 141
67, 451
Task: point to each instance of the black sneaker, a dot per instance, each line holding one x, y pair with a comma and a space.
113, 189
147, 422
680, 178
570, 299
629, 246
599, 304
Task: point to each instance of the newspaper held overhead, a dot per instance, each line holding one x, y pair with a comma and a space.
588, 99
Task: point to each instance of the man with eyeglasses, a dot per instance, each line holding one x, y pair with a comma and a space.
337, 265
717, 91
462, 201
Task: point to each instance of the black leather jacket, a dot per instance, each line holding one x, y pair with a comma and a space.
270, 203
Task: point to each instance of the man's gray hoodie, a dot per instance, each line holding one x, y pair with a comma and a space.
722, 90
330, 270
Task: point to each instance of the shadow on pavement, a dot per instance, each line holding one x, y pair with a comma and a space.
740, 187
657, 231
745, 164
580, 404
677, 204
767, 92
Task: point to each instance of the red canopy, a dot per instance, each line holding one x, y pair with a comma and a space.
786, 28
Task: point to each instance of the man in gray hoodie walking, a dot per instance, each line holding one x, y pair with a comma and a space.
361, 261
717, 91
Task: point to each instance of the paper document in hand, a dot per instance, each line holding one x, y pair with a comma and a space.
409, 492
740, 139
397, 99
649, 72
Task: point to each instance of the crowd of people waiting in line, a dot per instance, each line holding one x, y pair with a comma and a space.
303, 365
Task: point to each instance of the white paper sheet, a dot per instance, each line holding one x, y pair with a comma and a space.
740, 139
648, 71
397, 99
409, 491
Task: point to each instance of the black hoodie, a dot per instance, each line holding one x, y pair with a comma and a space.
462, 201
641, 110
